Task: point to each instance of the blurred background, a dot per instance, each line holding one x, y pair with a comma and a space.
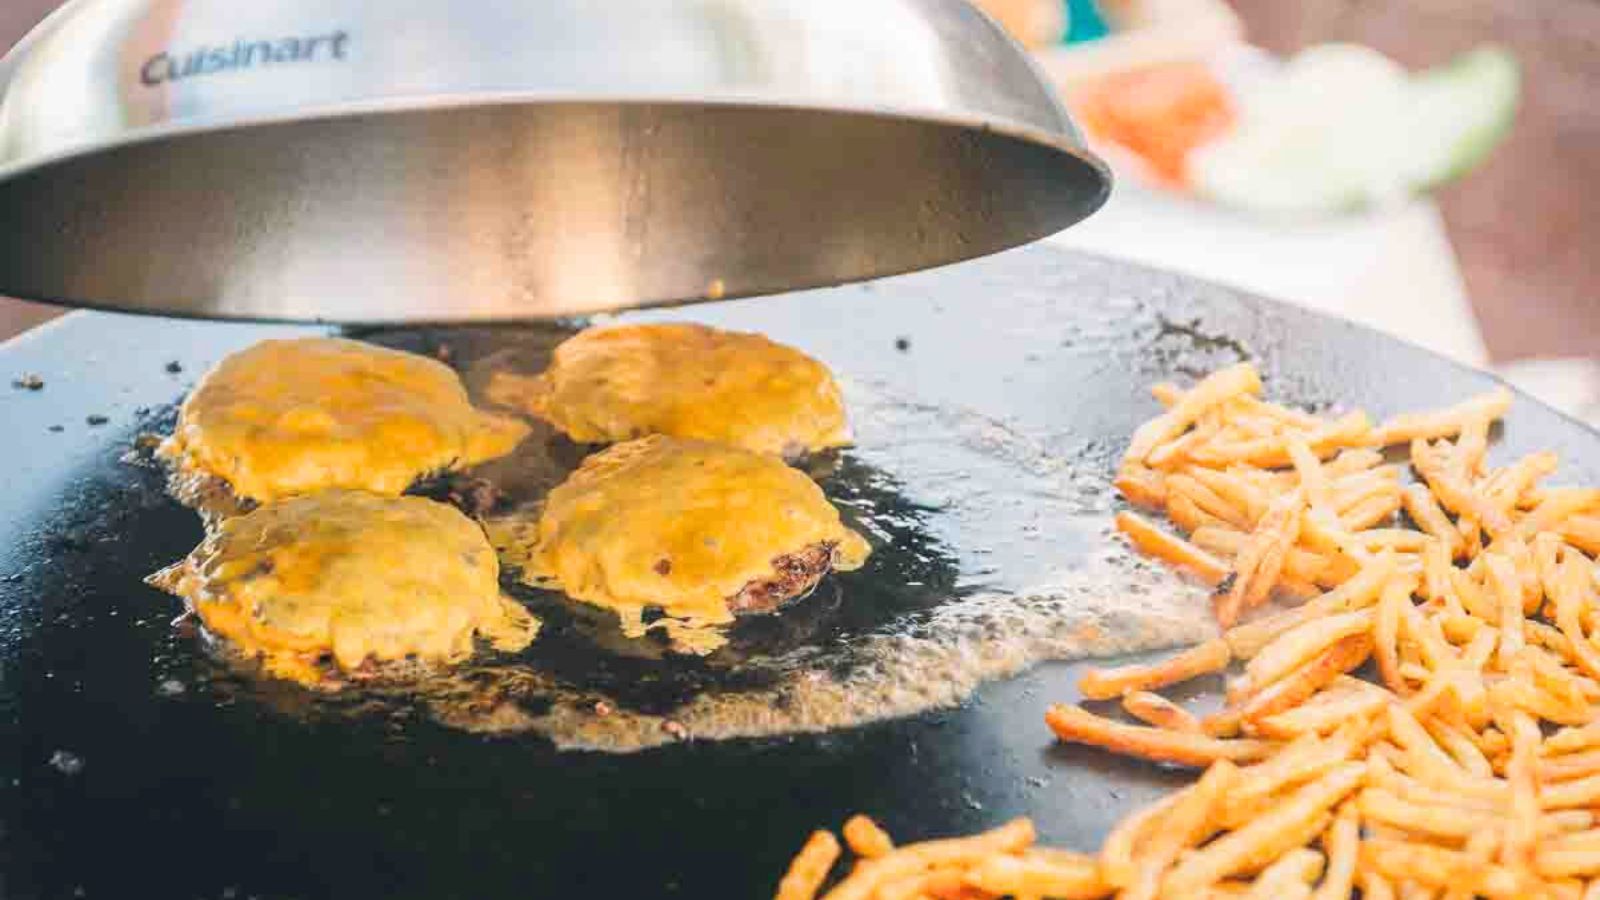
1426, 167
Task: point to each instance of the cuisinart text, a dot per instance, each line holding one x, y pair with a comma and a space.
243, 54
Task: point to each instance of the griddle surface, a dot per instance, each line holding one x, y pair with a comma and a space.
123, 776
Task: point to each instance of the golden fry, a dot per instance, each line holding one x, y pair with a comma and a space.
1473, 596
1426, 512
1356, 490
1079, 726
1313, 478
1304, 682
1260, 562
1507, 487
1357, 593
1293, 823
1350, 430
1201, 659
1522, 828
1571, 794
1293, 418
1189, 517
810, 867
1303, 642
1166, 393
1436, 568
865, 838
1118, 866
1386, 634
1582, 532
1353, 461
1506, 588
1569, 854
1056, 874
1304, 760
1573, 593
1448, 822
1438, 868
1371, 512
1569, 765
1341, 842
1448, 422
1376, 887
1460, 746
1176, 452
1236, 493
1212, 391
1417, 792
1429, 763
1558, 505
1572, 740
1185, 826
1151, 540
1292, 875
1292, 588
1208, 501
1158, 711
1141, 486
1453, 491
1301, 564
1467, 460
1322, 716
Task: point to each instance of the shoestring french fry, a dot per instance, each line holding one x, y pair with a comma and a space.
1212, 391
1075, 725
1260, 561
1188, 824
1201, 659
865, 838
1448, 422
1292, 875
1149, 538
810, 867
1508, 487
1156, 710
1304, 682
1582, 533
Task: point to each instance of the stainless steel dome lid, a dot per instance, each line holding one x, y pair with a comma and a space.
442, 160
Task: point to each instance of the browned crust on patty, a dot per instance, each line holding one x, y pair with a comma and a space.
797, 575
209, 495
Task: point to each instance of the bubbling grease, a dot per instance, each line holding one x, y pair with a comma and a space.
972, 641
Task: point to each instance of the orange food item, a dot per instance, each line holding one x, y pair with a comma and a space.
1159, 113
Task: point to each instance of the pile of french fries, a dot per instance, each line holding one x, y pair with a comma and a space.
1416, 714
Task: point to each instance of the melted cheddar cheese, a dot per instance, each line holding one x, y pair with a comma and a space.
689, 381
352, 576
675, 524
289, 417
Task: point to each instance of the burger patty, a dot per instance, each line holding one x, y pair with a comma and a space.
798, 574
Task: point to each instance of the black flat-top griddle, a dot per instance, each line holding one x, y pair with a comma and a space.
123, 777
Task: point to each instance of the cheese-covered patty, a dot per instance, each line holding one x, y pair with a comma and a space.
352, 577
689, 381
288, 417
691, 528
